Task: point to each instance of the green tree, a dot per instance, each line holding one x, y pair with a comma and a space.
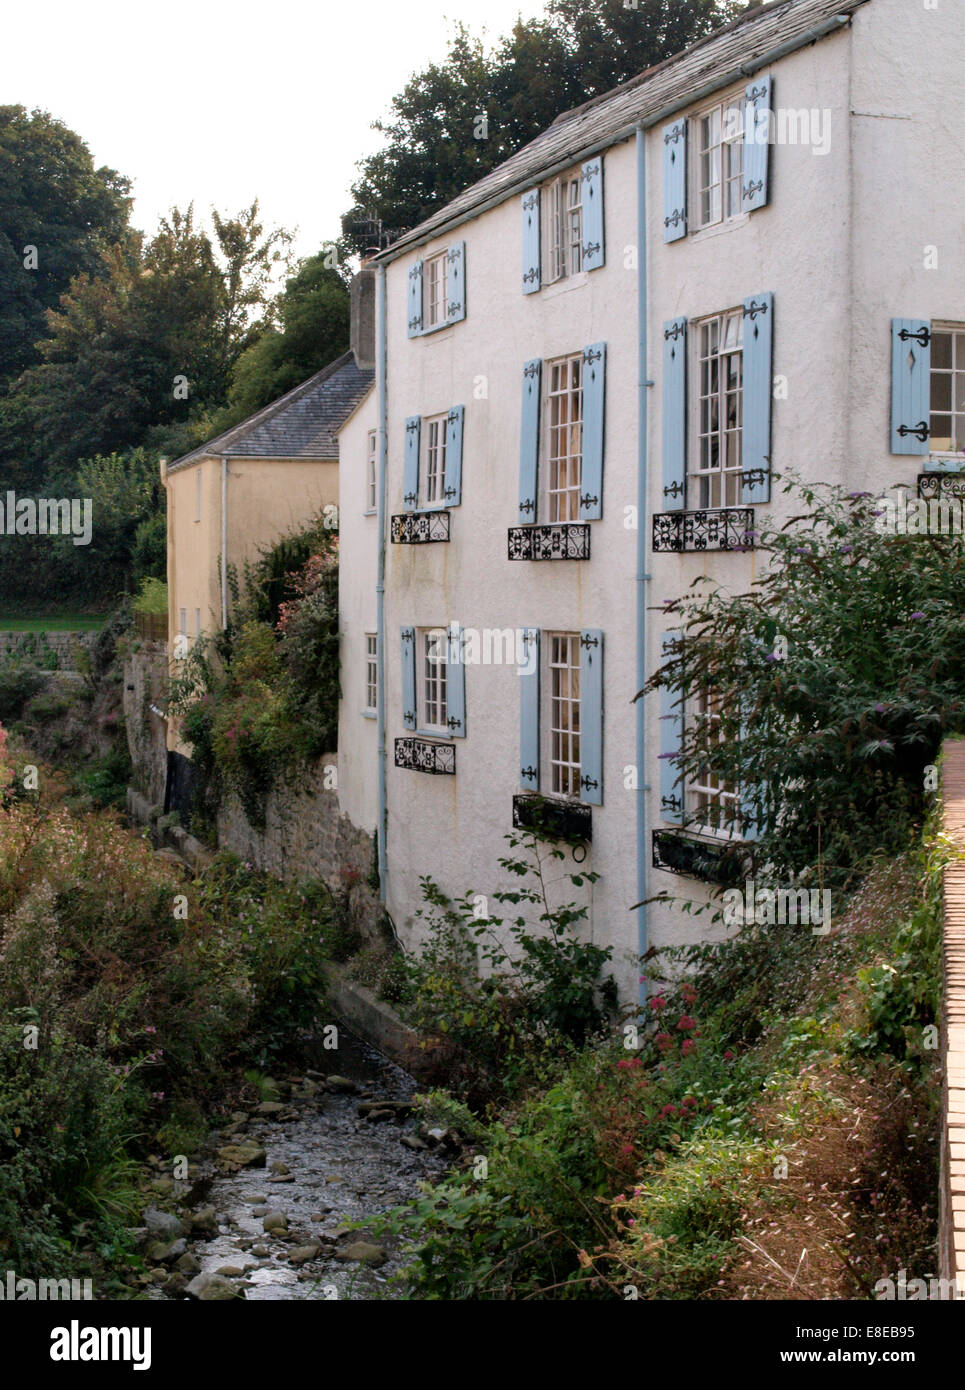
51, 198
313, 329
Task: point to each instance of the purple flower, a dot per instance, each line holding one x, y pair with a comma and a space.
880, 709
801, 550
847, 549
772, 656
916, 614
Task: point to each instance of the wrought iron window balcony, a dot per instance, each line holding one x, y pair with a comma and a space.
942, 487
553, 820
568, 540
723, 528
680, 853
421, 755
419, 528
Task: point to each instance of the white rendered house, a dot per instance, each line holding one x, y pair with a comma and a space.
589, 366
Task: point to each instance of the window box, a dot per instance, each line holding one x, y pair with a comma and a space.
421, 755
567, 541
677, 852
420, 528
724, 528
553, 820
942, 486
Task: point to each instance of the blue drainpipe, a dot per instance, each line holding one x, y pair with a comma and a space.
380, 360
643, 528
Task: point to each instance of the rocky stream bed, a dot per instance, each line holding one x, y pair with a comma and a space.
262, 1214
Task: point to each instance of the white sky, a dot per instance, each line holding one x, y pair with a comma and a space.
220, 102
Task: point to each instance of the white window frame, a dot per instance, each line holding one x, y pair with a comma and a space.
197, 624
561, 229
715, 433
432, 681
710, 789
718, 162
433, 443
435, 290
371, 472
561, 715
562, 462
371, 673
955, 370
183, 615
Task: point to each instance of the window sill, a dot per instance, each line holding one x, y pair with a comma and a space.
717, 228
568, 282
946, 463
436, 329
371, 511
369, 713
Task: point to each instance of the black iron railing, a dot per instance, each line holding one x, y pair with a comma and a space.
419, 528
566, 541
680, 853
553, 820
421, 755
724, 528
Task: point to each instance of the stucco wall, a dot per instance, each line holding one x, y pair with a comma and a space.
358, 554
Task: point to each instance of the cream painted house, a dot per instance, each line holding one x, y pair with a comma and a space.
589, 364
239, 493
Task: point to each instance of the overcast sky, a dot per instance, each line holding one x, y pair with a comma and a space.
221, 102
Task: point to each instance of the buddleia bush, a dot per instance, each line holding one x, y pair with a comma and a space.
834, 681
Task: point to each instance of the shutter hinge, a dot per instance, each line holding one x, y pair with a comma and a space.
921, 431
410, 499
590, 356
676, 332
528, 774
588, 782
750, 189
753, 309
528, 506
590, 249
589, 642
678, 218
531, 274
587, 501
674, 490
923, 336
674, 134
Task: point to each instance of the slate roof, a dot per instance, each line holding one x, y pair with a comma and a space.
303, 424
742, 47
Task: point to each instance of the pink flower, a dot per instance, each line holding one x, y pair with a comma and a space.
688, 1046
686, 1023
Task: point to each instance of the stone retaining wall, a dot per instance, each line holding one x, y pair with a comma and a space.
43, 647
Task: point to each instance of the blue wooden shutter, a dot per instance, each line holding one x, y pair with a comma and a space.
756, 432
674, 428
408, 678
456, 683
410, 463
671, 737
594, 399
456, 282
529, 711
454, 431
529, 441
414, 323
910, 386
531, 241
757, 148
675, 180
591, 716
591, 184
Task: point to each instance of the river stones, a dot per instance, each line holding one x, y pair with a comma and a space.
213, 1288
301, 1254
342, 1085
362, 1252
275, 1221
247, 1154
204, 1221
163, 1225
